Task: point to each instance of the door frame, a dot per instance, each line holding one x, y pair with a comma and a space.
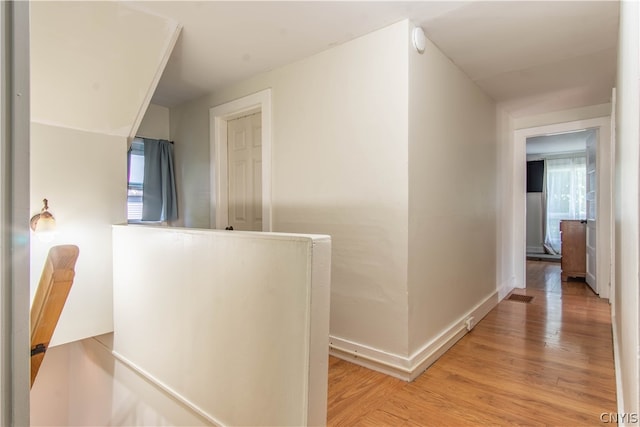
15, 195
604, 206
591, 224
218, 118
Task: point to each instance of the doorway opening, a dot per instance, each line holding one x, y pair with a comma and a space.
220, 118
557, 188
602, 205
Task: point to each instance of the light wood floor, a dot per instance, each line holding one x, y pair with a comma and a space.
548, 362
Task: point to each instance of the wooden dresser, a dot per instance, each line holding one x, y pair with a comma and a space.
574, 248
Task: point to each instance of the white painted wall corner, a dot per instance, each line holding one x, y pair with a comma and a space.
506, 288
409, 368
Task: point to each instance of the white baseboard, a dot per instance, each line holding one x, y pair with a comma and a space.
408, 368
369, 357
616, 364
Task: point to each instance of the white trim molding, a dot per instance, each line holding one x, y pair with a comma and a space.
164, 388
218, 117
14, 208
616, 362
409, 368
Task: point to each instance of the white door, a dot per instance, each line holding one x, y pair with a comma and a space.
591, 210
244, 153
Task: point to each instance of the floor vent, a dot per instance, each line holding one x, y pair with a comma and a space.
520, 298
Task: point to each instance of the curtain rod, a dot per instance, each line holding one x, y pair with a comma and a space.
144, 137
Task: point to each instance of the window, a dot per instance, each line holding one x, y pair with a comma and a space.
151, 186
135, 187
566, 195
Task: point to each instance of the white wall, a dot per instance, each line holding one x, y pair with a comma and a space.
339, 168
84, 177
155, 123
248, 346
244, 346
452, 197
535, 235
349, 145
94, 68
626, 328
190, 133
506, 230
50, 392
82, 384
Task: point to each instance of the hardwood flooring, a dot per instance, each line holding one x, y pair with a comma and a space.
548, 362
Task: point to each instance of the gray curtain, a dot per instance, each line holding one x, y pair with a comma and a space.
129, 164
159, 201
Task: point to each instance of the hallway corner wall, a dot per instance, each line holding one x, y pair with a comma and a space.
453, 202
627, 214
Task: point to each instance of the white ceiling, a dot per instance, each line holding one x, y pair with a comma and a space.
534, 56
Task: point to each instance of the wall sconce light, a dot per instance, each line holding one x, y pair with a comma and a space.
43, 222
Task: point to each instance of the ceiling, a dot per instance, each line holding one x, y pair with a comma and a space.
532, 56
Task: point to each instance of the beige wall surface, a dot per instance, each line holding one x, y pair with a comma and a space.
49, 396
505, 233
452, 197
84, 177
155, 123
245, 346
626, 303
339, 168
189, 126
535, 235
